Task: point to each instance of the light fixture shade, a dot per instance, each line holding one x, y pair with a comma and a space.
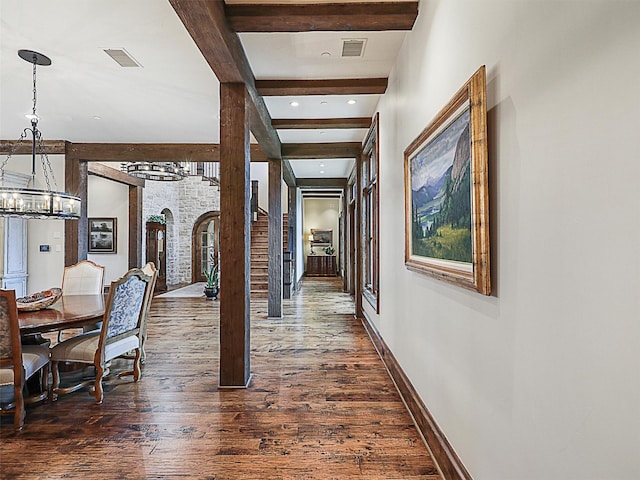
34, 203
20, 200
311, 238
157, 171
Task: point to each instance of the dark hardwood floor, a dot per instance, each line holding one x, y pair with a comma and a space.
320, 405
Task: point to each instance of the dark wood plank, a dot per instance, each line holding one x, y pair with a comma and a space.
158, 152
207, 24
76, 231
235, 235
302, 151
275, 239
287, 173
314, 123
347, 86
339, 16
337, 182
321, 405
51, 147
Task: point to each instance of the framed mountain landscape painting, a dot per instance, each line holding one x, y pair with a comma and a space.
447, 193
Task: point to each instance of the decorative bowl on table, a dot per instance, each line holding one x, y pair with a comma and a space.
38, 300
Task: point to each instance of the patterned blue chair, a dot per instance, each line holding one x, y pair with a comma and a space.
151, 270
18, 363
120, 333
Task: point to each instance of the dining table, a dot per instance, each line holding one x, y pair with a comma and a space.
70, 311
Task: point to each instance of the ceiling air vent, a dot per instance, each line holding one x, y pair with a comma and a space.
122, 57
353, 47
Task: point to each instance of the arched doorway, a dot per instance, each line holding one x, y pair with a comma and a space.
205, 244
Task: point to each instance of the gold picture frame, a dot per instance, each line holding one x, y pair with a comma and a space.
447, 192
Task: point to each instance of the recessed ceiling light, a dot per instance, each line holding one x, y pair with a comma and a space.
322, 164
97, 117
322, 133
321, 171
325, 54
324, 102
294, 103
352, 101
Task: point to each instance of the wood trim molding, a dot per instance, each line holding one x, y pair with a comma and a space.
313, 123
443, 453
338, 16
347, 86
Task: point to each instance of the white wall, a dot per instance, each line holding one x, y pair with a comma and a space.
110, 199
540, 380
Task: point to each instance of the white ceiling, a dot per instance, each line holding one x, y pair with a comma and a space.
84, 96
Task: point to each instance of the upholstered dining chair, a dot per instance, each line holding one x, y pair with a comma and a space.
83, 278
120, 333
18, 363
150, 270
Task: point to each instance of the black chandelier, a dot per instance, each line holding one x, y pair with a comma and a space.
28, 201
157, 171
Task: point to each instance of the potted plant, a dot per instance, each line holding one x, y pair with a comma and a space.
212, 287
329, 250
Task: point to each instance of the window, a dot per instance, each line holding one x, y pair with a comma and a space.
370, 216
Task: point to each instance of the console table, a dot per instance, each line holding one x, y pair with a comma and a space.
321, 266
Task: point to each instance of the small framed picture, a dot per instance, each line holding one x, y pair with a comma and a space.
322, 237
102, 235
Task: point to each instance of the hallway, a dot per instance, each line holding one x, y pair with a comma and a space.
320, 405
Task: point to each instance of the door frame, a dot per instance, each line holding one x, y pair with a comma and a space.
196, 252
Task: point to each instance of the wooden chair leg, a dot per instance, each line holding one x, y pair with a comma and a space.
18, 416
97, 390
56, 381
136, 366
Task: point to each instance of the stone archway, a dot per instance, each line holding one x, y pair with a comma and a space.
205, 244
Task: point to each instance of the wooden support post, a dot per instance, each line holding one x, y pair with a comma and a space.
275, 239
135, 226
235, 236
76, 231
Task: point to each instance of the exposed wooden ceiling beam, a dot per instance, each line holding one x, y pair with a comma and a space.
313, 123
303, 151
339, 16
207, 24
51, 147
338, 182
153, 152
345, 86
100, 170
287, 173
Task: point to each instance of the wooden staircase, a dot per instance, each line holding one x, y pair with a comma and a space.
260, 253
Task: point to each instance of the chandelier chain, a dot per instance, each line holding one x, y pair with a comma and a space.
12, 151
46, 167
34, 92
